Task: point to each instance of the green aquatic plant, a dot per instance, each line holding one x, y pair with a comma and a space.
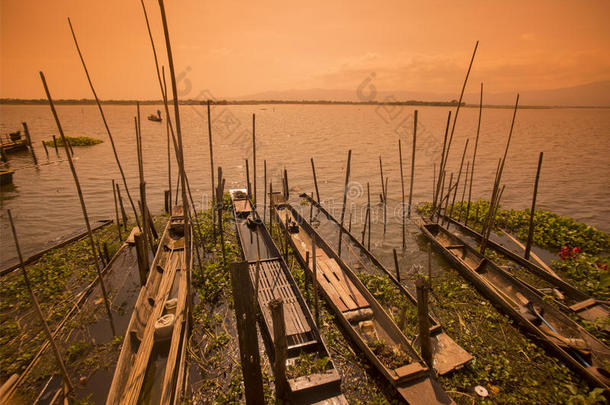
75, 141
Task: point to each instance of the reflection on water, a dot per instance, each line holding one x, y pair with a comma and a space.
575, 175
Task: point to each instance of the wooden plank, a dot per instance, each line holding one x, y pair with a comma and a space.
354, 292
579, 306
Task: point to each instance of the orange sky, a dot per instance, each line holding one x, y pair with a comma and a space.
236, 48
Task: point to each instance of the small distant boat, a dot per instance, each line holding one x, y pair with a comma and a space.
13, 142
156, 118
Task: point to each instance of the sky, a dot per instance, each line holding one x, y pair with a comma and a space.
231, 49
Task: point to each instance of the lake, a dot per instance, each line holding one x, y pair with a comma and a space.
575, 177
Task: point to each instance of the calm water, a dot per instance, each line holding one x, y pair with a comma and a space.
575, 177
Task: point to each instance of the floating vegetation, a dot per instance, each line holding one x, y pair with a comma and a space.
75, 141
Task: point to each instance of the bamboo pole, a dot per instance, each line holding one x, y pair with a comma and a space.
56, 352
447, 196
366, 218
181, 161
264, 191
368, 209
424, 321
248, 180
457, 110
396, 265
99, 106
315, 180
220, 205
464, 191
412, 163
383, 194
55, 145
474, 155
530, 233
491, 221
212, 171
143, 211
402, 188
45, 149
349, 224
116, 211
82, 201
434, 182
440, 167
349, 158
123, 212
169, 166
271, 207
26, 131
457, 182
315, 279
254, 156
286, 184
430, 266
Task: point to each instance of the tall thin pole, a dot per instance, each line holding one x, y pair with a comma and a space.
315, 180
474, 155
265, 191
457, 182
530, 233
383, 194
254, 157
212, 171
169, 160
368, 210
349, 159
116, 211
248, 180
99, 106
26, 131
412, 162
82, 201
464, 190
60, 361
402, 187
457, 110
440, 168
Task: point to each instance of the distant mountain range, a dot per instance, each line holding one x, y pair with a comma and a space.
592, 94
595, 94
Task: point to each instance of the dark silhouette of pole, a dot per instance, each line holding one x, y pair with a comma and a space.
530, 233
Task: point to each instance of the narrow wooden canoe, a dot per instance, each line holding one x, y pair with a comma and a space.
151, 367
580, 303
561, 335
362, 317
276, 281
448, 355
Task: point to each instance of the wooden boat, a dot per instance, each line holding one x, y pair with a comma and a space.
448, 355
151, 366
13, 142
6, 177
155, 118
363, 318
276, 281
575, 301
561, 335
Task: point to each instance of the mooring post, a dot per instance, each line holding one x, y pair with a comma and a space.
142, 254
167, 196
212, 173
430, 265
286, 237
45, 148
396, 265
29, 140
116, 211
220, 205
306, 272
412, 162
248, 181
106, 253
276, 306
60, 361
464, 191
315, 180
368, 210
311, 209
423, 320
245, 316
383, 195
349, 224
474, 156
530, 233
55, 145
287, 196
